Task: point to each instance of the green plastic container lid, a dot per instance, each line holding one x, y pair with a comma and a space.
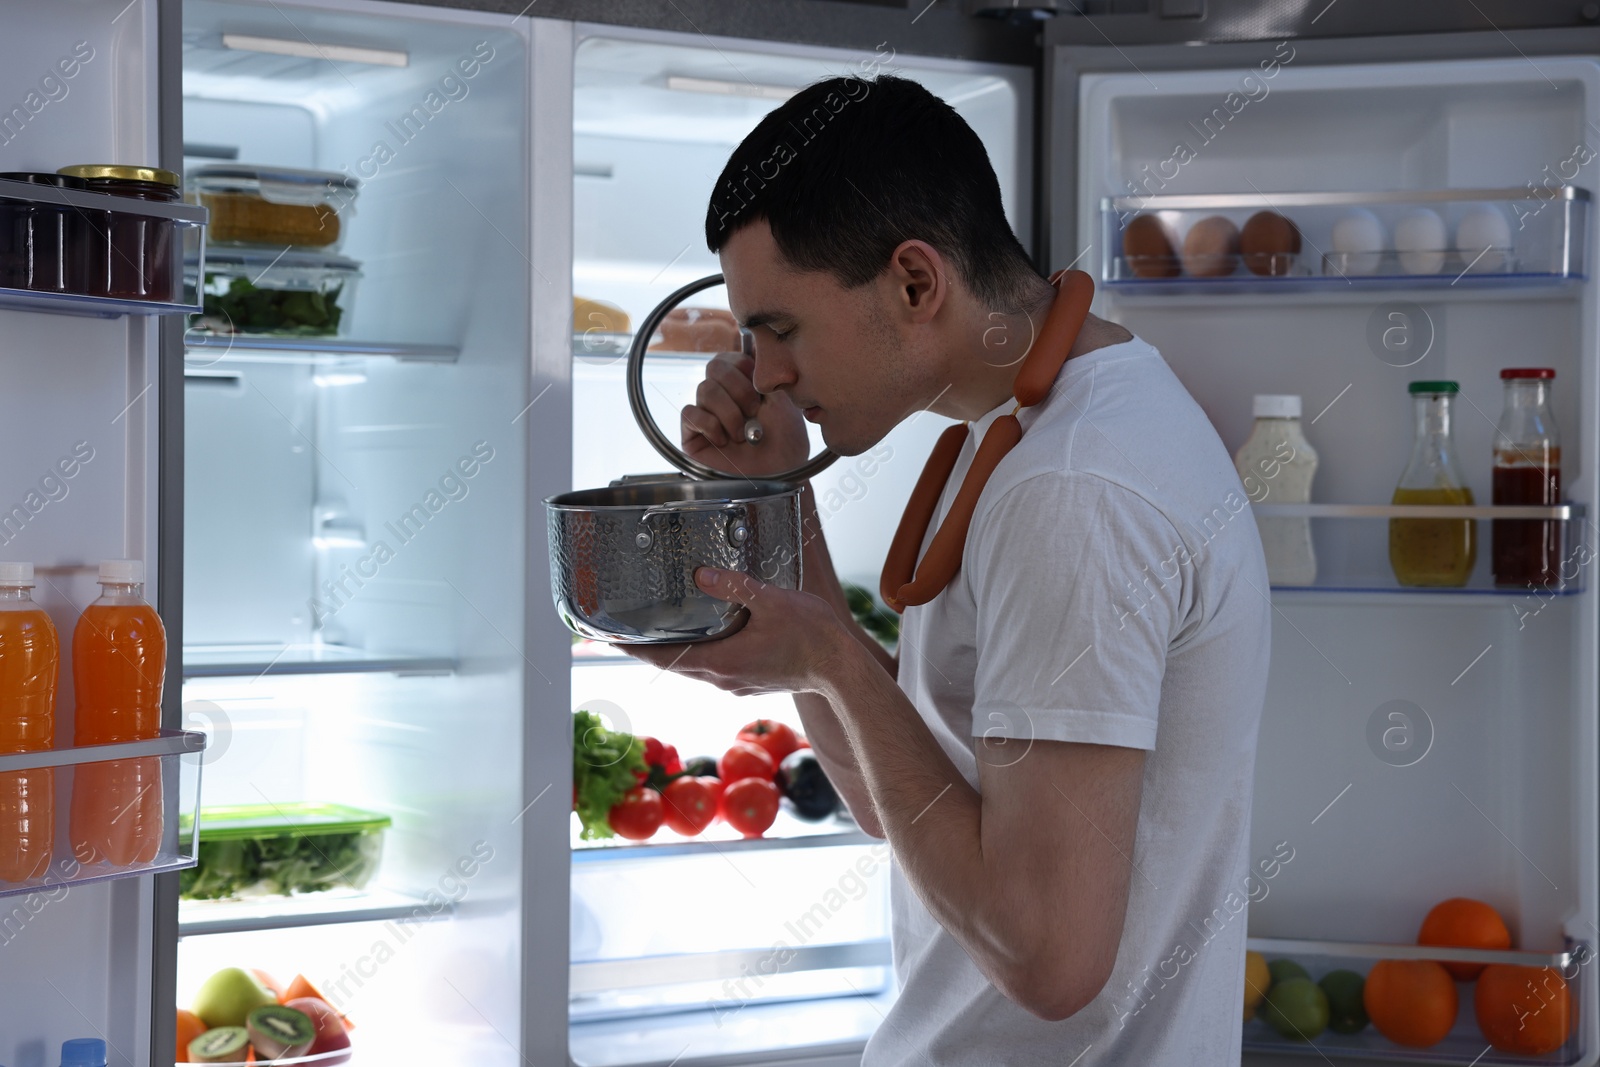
1435, 387
238, 821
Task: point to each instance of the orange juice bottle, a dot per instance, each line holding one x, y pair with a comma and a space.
119, 658
30, 655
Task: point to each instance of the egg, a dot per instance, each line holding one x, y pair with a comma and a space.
1211, 248
1483, 239
1420, 239
1147, 248
1358, 241
1269, 243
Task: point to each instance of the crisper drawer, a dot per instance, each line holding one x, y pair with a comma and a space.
722, 926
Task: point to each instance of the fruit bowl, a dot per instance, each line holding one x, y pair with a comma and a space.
341, 1055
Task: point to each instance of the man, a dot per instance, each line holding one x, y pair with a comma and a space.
1061, 755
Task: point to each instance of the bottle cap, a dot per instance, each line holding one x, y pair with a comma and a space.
126, 571
16, 574
1272, 406
1528, 372
83, 1052
1434, 387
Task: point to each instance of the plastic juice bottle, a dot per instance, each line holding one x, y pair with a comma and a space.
119, 656
1433, 552
30, 656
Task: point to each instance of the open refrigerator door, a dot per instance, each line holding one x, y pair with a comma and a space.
88, 295
1419, 743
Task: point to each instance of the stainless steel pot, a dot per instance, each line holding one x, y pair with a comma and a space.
622, 559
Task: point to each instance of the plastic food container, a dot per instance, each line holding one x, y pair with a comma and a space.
254, 205
292, 294
256, 850
127, 255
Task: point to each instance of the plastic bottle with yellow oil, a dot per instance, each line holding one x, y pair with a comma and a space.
1437, 553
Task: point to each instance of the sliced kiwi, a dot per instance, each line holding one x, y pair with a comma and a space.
225, 1044
277, 1032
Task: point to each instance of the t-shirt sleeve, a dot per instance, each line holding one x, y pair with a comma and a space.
1079, 592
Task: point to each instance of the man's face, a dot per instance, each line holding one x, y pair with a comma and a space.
836, 352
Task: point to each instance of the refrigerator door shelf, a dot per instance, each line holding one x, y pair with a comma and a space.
1440, 239
181, 793
1353, 550
96, 307
1465, 1043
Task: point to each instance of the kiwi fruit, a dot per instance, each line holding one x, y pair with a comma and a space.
223, 1044
277, 1032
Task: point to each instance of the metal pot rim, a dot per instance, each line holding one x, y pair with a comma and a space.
761, 491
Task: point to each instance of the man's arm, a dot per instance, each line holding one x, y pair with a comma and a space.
817, 713
1032, 875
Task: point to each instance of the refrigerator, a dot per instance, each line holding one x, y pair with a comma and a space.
432, 683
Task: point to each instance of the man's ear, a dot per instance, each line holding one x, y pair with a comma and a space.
921, 277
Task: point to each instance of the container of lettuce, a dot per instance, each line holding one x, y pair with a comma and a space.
272, 292
256, 850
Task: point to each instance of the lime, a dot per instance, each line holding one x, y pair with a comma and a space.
1283, 969
1346, 1013
1297, 1008
1257, 980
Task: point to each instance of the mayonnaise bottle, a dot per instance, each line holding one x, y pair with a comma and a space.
1276, 464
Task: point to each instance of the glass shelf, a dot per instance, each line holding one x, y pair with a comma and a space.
1357, 561
58, 771
249, 661
1485, 239
198, 917
787, 831
245, 348
1463, 1044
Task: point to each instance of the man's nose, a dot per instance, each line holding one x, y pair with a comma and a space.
772, 371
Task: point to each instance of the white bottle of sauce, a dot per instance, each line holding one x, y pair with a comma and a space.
1276, 465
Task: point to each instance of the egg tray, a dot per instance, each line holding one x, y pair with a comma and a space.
1455, 237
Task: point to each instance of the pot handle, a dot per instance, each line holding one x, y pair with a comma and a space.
738, 531
663, 444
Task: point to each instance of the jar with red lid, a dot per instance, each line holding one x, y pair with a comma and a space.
41, 243
128, 255
1527, 471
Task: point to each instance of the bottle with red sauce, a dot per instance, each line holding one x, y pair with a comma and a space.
1527, 471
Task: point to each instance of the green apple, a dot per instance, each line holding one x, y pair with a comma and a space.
229, 996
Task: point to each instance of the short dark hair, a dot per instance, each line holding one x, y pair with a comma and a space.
848, 168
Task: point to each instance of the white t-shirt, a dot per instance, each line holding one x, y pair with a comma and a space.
1112, 591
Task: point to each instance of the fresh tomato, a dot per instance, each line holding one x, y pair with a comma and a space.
746, 760
716, 786
638, 814
690, 806
670, 761
750, 805
779, 740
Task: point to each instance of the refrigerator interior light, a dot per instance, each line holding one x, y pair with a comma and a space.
327, 379
281, 46
721, 87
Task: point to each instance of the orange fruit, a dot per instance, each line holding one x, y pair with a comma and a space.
1463, 923
1523, 1009
189, 1028
272, 985
1411, 1002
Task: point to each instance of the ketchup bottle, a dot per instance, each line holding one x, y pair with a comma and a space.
1527, 471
